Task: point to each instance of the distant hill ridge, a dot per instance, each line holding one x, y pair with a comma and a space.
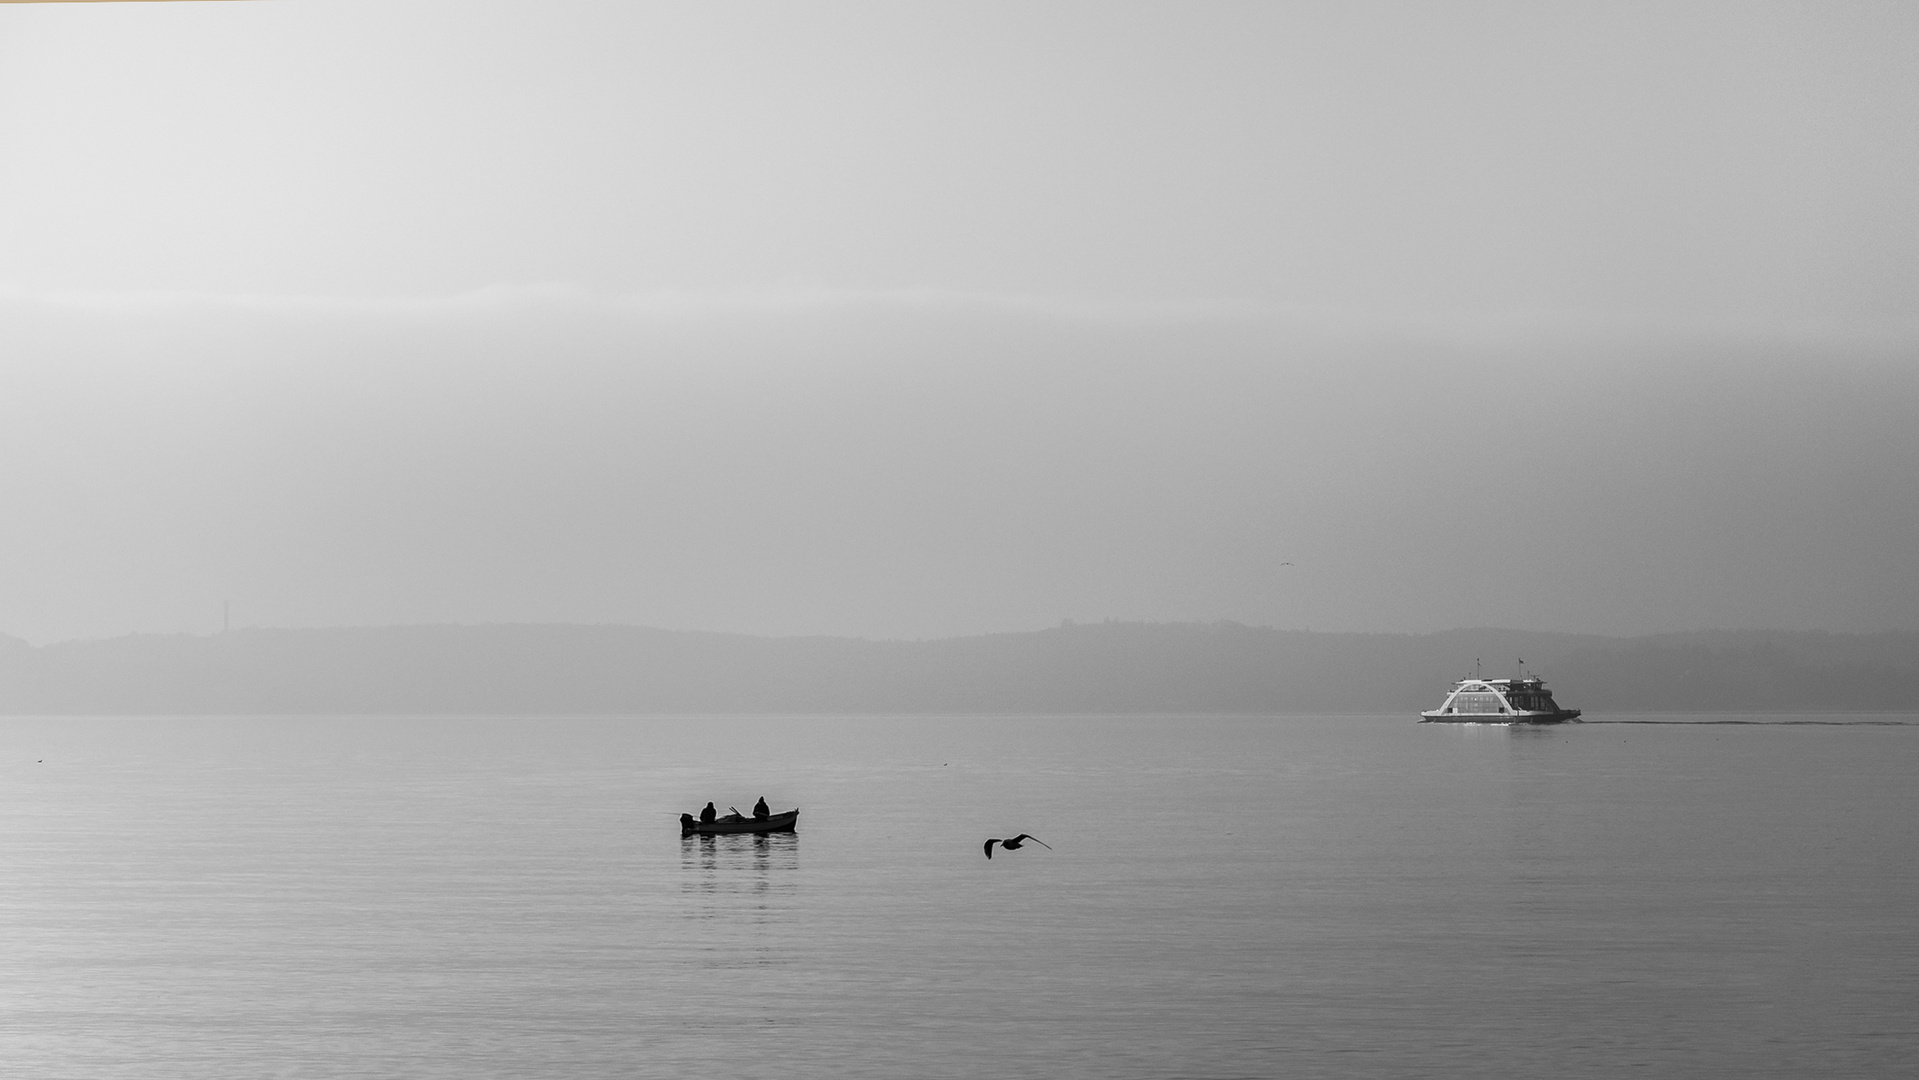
1106, 667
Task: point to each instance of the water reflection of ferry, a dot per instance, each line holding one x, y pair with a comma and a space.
1500, 701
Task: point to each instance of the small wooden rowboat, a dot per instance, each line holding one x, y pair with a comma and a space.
734, 823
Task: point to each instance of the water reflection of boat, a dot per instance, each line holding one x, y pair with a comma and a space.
1499, 701
747, 882
734, 823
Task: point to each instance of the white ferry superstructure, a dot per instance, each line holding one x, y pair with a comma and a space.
1499, 701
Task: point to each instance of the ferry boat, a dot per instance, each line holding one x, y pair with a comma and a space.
1499, 701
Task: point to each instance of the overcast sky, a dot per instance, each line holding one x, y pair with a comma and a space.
907, 320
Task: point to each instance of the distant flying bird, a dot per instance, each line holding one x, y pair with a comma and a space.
1285, 564
1015, 843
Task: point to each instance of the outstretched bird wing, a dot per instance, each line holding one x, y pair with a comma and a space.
989, 847
1036, 840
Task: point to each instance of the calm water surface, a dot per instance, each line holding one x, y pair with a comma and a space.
1226, 897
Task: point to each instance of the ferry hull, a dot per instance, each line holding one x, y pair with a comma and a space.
1563, 716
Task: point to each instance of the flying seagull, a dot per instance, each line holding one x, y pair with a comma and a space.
1014, 843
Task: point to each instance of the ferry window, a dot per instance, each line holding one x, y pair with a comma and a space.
1476, 703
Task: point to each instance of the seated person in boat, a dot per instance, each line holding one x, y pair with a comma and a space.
707, 815
760, 812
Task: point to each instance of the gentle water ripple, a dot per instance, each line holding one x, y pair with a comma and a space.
1308, 897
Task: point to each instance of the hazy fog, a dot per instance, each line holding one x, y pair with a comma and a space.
903, 320
917, 467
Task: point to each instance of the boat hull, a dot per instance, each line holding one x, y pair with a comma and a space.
1562, 716
786, 822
